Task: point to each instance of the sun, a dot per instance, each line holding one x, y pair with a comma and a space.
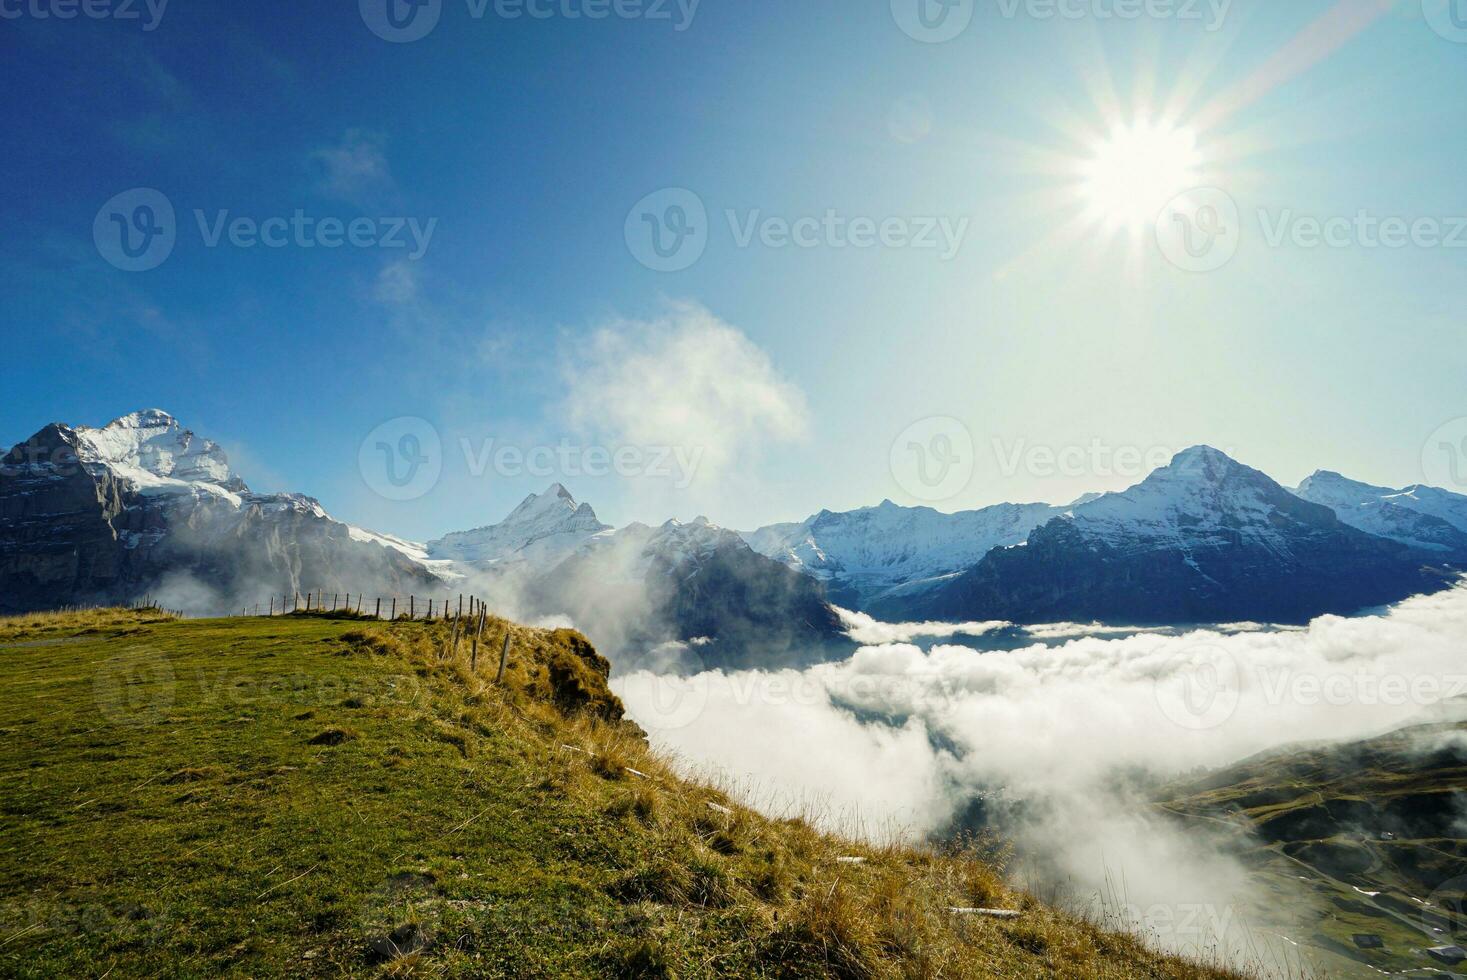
1129, 175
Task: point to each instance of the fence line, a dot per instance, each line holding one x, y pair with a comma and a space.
437, 609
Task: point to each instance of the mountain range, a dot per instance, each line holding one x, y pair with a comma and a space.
144, 506
1205, 539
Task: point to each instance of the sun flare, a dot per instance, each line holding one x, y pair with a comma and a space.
1130, 175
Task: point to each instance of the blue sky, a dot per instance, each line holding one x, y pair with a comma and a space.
795, 375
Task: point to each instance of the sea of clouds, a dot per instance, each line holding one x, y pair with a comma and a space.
1063, 746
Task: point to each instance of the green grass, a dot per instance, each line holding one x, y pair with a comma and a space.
313, 795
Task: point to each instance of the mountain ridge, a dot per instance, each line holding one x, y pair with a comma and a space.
91, 514
1204, 539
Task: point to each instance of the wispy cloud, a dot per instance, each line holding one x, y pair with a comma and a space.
355, 168
397, 284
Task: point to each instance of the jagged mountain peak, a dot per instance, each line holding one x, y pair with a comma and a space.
1425, 518
1322, 480
1203, 497
1202, 451
150, 446
1201, 462
556, 501
545, 527
144, 417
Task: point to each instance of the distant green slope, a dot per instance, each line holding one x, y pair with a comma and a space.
1382, 816
316, 796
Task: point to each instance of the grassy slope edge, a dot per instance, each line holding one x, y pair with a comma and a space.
312, 795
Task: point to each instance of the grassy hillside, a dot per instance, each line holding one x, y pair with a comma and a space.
1373, 828
322, 796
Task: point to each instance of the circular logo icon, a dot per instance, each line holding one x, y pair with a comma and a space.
134, 687
1444, 912
1200, 230
1444, 457
910, 119
932, 21
1199, 688
1448, 18
401, 21
667, 231
666, 702
136, 230
390, 916
933, 459
402, 458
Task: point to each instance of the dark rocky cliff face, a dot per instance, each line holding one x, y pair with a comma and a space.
74, 532
1063, 576
689, 597
756, 612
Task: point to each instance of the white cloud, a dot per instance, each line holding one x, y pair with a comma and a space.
867, 629
688, 381
355, 168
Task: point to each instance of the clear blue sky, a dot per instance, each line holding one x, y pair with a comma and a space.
530, 140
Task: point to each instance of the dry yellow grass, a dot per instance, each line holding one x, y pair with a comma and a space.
38, 625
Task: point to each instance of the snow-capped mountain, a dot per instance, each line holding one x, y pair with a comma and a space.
144, 506
877, 555
679, 594
542, 531
155, 454
1425, 518
1205, 539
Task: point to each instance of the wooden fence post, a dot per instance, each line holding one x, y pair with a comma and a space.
379, 607
503, 658
474, 659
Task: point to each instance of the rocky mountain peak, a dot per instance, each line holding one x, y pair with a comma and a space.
150, 444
